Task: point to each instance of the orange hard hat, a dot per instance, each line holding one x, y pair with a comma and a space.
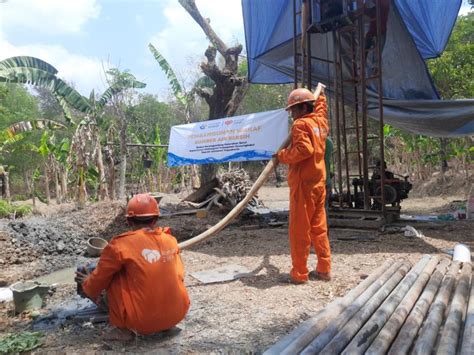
298, 96
142, 205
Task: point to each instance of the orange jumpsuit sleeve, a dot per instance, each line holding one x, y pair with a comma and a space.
321, 110
109, 264
301, 146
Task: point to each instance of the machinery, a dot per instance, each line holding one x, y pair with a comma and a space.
395, 190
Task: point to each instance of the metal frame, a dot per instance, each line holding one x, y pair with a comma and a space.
349, 132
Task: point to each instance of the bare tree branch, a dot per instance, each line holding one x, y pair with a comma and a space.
191, 8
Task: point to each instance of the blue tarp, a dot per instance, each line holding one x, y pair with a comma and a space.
416, 30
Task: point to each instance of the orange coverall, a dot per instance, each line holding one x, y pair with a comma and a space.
143, 275
307, 182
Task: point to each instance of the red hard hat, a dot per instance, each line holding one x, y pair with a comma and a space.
298, 96
142, 205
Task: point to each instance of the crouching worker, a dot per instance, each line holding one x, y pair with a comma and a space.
142, 275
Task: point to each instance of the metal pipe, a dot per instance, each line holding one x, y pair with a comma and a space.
344, 135
449, 337
429, 332
468, 336
365, 165
383, 340
336, 325
338, 122
344, 336
371, 328
309, 329
380, 98
295, 48
410, 328
140, 145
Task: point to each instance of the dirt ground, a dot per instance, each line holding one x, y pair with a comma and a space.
246, 315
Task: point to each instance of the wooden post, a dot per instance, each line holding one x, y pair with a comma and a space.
370, 330
429, 332
336, 324
343, 337
309, 329
383, 340
410, 328
457, 311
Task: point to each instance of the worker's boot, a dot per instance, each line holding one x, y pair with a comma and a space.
322, 276
287, 279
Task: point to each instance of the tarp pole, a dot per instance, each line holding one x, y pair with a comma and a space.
295, 48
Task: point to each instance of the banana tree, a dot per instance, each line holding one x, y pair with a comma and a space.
120, 95
185, 99
34, 71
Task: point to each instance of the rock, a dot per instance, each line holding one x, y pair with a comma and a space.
60, 246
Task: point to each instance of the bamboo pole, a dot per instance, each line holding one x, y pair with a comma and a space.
242, 204
429, 332
383, 340
410, 328
457, 311
336, 324
308, 330
344, 336
467, 347
370, 330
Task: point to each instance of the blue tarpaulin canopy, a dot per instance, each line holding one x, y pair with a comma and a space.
416, 31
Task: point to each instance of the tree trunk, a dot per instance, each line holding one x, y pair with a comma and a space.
46, 183
33, 189
444, 154
208, 173
6, 181
229, 89
63, 177
123, 157
81, 193
112, 182
103, 191
57, 187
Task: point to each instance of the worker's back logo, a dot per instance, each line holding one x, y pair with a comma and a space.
152, 256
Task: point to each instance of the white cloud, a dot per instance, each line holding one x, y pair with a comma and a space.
84, 72
182, 38
465, 8
47, 16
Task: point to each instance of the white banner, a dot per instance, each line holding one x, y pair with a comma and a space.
241, 138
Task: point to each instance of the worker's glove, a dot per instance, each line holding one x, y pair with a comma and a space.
81, 275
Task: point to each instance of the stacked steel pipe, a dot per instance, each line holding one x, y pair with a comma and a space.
398, 309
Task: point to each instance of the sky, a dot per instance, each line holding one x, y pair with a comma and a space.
81, 38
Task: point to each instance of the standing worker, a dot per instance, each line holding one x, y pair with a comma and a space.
142, 274
307, 182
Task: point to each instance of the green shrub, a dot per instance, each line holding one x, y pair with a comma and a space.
20, 342
22, 210
7, 210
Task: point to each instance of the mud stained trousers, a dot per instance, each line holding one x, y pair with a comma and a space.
308, 226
